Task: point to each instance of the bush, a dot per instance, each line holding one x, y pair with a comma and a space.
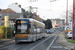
3, 31
9, 31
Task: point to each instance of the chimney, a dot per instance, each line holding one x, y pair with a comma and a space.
20, 6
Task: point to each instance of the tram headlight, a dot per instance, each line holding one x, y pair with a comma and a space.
28, 35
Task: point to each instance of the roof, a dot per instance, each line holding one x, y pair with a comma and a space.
11, 15
8, 10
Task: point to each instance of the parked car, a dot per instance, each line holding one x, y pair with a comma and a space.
48, 31
52, 31
69, 35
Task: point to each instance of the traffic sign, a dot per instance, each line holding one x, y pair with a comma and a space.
73, 25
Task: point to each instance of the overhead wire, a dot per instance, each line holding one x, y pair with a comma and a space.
42, 8
51, 8
30, 2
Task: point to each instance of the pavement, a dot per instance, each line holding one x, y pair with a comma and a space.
6, 42
62, 41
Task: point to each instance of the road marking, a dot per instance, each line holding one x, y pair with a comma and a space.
65, 47
51, 43
40, 43
16, 48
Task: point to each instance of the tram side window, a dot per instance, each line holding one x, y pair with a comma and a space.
35, 29
31, 27
41, 29
38, 30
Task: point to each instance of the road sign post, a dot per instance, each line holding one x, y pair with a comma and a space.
6, 25
0, 19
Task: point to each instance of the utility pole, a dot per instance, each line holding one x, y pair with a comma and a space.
73, 21
30, 10
67, 13
36, 9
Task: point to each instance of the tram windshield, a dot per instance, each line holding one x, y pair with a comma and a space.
21, 28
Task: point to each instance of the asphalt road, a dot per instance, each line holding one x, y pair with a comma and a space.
47, 43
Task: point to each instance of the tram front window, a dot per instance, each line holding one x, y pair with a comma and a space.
21, 29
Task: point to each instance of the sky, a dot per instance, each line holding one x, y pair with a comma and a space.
46, 9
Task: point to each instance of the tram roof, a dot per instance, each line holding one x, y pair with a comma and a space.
32, 20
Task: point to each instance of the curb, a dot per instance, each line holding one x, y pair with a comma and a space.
6, 41
6, 45
69, 47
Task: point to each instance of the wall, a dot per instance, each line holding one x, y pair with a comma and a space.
15, 8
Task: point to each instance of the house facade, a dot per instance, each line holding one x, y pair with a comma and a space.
12, 18
58, 23
14, 11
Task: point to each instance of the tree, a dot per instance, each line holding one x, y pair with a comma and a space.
16, 3
48, 24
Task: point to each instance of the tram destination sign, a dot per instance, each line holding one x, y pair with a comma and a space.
21, 22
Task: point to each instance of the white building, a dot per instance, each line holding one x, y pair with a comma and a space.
15, 7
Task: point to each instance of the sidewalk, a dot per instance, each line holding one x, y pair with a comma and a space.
62, 41
6, 42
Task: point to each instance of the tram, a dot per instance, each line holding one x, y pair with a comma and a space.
28, 30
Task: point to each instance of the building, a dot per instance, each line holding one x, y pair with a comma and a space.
1, 9
12, 18
8, 10
13, 13
18, 9
15, 7
58, 23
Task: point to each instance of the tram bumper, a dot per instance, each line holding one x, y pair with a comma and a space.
22, 40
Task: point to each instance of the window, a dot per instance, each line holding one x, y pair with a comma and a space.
70, 32
22, 28
12, 21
